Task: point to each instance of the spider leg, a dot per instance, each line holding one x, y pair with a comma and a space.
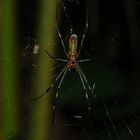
84, 60
64, 74
53, 116
23, 52
56, 95
86, 81
62, 4
58, 59
84, 77
62, 42
84, 33
52, 85
57, 66
92, 89
36, 98
82, 81
87, 98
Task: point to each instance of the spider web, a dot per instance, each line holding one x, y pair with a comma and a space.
114, 113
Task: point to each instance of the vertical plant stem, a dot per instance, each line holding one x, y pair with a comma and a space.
9, 70
40, 122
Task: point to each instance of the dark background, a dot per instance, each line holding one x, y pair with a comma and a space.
114, 39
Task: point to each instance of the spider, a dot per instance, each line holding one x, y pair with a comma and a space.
72, 62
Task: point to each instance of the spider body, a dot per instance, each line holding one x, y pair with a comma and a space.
72, 65
72, 52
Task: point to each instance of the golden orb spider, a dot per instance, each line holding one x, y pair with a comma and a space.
72, 55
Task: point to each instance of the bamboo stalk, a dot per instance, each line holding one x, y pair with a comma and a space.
9, 82
40, 123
